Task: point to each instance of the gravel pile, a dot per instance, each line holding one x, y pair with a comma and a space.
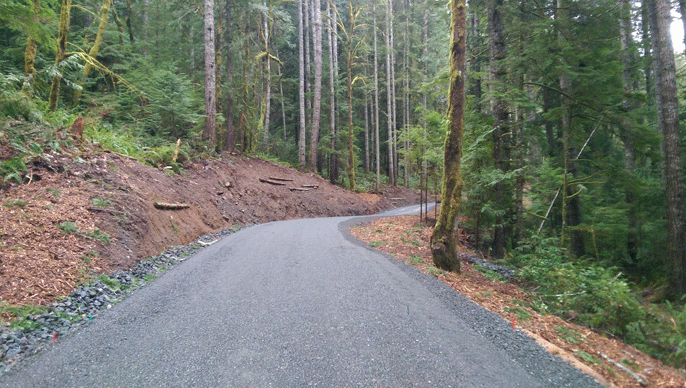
84, 304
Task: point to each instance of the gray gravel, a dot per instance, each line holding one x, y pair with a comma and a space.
291, 304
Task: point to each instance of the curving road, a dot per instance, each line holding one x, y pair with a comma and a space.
294, 304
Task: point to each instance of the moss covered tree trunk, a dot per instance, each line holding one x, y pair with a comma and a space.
444, 239
65, 17
95, 49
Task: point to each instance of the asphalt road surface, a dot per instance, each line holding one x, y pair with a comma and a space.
295, 304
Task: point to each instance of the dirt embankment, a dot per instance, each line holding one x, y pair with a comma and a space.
54, 230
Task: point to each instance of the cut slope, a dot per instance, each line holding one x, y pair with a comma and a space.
54, 229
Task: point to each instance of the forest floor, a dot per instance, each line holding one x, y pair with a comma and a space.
610, 361
86, 212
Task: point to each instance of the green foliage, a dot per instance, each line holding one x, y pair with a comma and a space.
68, 227
163, 157
98, 235
101, 202
14, 103
112, 283
570, 335
13, 169
18, 315
172, 104
600, 297
14, 203
119, 141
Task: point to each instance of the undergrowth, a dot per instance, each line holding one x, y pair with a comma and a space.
602, 299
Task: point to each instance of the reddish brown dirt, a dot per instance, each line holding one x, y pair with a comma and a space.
100, 192
407, 239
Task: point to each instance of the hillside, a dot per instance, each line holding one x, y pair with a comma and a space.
87, 211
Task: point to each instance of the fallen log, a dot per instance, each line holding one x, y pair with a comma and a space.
311, 186
298, 189
272, 182
171, 206
281, 179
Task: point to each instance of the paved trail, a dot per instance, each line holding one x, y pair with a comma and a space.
294, 304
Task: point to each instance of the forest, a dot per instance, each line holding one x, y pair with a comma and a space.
571, 158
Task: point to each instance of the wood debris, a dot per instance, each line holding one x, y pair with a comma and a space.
171, 206
280, 179
271, 182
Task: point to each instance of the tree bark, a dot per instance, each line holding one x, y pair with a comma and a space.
376, 100
349, 62
95, 49
444, 240
210, 80
333, 72
30, 55
571, 204
268, 79
65, 18
317, 99
626, 131
301, 89
129, 25
230, 141
496, 43
389, 97
669, 122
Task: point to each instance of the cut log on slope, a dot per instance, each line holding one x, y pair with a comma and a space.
298, 189
280, 179
171, 206
311, 186
271, 182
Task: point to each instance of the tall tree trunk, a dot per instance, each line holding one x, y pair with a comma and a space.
496, 43
647, 45
406, 107
210, 80
95, 49
571, 203
268, 80
376, 101
65, 18
444, 240
120, 25
317, 99
394, 104
389, 97
30, 55
333, 157
29, 63
308, 48
301, 89
129, 25
230, 141
349, 62
626, 131
669, 122
366, 133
